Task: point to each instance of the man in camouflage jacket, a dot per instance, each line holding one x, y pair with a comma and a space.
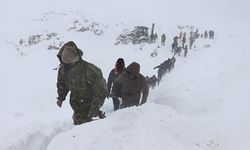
88, 88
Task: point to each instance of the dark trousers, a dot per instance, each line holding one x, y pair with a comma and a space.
116, 103
129, 103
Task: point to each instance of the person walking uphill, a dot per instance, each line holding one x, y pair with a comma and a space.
84, 81
113, 75
130, 85
163, 39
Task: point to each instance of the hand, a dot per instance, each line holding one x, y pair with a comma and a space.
102, 114
59, 103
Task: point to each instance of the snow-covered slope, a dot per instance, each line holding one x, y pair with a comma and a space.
201, 104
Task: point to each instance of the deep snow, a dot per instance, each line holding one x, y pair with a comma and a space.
202, 104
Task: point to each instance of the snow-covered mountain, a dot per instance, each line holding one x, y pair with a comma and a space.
201, 104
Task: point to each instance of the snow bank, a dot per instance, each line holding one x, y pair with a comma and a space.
202, 104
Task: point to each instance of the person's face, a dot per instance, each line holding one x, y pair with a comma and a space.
119, 67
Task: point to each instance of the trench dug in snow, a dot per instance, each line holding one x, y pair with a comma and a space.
38, 137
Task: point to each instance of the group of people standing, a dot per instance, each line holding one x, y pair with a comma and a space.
179, 44
88, 88
154, 37
180, 41
183, 42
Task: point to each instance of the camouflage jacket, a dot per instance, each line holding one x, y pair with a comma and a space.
85, 82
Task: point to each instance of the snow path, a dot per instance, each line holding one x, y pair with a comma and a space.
35, 136
38, 136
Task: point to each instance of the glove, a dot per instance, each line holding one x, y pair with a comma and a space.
59, 103
102, 114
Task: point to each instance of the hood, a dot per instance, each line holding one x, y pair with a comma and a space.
133, 68
69, 44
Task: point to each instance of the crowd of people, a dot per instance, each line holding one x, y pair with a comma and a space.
88, 88
126, 86
181, 42
184, 41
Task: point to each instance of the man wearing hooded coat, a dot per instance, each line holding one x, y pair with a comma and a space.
84, 81
130, 85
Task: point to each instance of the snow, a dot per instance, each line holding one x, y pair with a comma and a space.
202, 104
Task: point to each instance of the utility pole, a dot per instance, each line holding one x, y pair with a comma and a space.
152, 32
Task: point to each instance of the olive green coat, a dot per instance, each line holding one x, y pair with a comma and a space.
88, 88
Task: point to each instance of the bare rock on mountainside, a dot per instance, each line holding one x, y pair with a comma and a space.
51, 35
34, 39
74, 22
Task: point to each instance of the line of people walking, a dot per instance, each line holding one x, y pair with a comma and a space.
126, 85
164, 68
88, 88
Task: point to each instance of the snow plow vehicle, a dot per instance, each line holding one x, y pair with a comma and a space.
137, 36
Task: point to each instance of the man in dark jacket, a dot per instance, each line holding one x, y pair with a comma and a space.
113, 75
84, 81
130, 85
184, 39
160, 72
163, 39
191, 41
205, 34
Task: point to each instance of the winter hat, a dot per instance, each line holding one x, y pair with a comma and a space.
70, 55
